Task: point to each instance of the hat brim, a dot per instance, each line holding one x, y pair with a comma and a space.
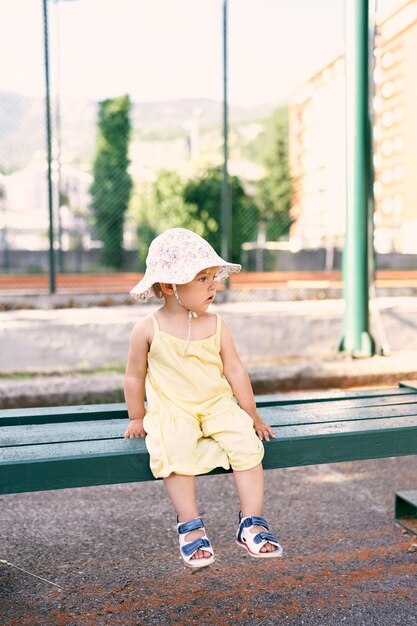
144, 288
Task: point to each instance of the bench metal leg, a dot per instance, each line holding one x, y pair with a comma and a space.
406, 510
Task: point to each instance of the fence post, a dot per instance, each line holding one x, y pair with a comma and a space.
225, 195
49, 149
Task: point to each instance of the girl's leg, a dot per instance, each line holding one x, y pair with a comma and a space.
181, 491
250, 489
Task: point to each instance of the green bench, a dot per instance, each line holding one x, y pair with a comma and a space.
80, 446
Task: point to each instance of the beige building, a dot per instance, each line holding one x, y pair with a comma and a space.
317, 143
24, 222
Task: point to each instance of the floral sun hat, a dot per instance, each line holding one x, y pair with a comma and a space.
177, 256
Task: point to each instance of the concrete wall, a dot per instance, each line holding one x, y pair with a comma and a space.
34, 261
37, 261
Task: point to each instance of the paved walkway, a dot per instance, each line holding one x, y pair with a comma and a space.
285, 345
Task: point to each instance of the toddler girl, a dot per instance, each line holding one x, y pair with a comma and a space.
184, 359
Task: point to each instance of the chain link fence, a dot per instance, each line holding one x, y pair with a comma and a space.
138, 136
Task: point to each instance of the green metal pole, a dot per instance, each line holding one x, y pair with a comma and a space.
52, 285
58, 133
225, 196
371, 91
357, 340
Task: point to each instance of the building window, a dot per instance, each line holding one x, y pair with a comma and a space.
377, 104
377, 132
387, 147
398, 203
387, 89
398, 172
377, 75
387, 176
377, 160
398, 114
399, 143
387, 119
398, 85
386, 205
387, 60
398, 54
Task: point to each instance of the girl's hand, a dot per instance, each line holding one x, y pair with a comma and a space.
135, 429
263, 430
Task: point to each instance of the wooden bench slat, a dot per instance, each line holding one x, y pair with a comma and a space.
37, 434
50, 415
71, 471
277, 416
114, 428
322, 397
57, 414
32, 468
118, 445
75, 449
348, 404
409, 384
339, 446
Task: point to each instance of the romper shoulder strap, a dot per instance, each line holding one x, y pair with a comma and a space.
155, 323
218, 332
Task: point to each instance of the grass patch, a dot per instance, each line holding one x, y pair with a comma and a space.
117, 368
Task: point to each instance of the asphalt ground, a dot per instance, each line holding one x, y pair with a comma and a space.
113, 551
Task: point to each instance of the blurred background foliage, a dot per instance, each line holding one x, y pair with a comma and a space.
171, 201
112, 182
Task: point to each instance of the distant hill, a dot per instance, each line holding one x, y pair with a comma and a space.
22, 124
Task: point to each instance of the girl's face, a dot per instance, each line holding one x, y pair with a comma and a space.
198, 294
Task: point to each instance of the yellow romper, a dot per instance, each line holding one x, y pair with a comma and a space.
193, 423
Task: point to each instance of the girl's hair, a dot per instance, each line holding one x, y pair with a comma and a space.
158, 291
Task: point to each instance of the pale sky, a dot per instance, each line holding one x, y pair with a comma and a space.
169, 49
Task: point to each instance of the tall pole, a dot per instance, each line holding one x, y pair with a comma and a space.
357, 340
225, 196
371, 202
49, 149
58, 133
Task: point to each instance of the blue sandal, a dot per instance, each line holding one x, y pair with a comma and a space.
253, 543
189, 548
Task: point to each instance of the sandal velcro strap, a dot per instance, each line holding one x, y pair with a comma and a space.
190, 548
254, 521
193, 524
254, 543
268, 537
247, 522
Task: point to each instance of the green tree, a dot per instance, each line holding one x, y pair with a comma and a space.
203, 194
157, 206
112, 183
274, 191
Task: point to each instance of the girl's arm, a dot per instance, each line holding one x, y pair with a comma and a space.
135, 374
238, 378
